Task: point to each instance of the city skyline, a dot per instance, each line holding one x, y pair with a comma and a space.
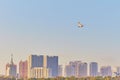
50, 28
45, 66
75, 68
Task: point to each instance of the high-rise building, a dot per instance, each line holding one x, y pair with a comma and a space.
118, 70
52, 64
34, 61
76, 65
69, 70
60, 70
48, 62
72, 69
11, 69
106, 71
83, 69
93, 69
23, 69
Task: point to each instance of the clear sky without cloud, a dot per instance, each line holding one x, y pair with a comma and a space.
49, 27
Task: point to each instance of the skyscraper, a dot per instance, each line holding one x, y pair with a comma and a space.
52, 64
106, 71
11, 69
83, 69
23, 69
40, 62
76, 65
69, 70
73, 69
34, 61
93, 69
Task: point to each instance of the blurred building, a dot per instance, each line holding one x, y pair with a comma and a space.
52, 64
23, 69
93, 69
73, 69
11, 69
106, 71
60, 70
39, 72
118, 70
45, 62
69, 70
76, 65
34, 61
83, 69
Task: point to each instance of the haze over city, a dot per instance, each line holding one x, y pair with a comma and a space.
50, 28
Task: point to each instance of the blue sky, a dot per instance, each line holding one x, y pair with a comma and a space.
50, 27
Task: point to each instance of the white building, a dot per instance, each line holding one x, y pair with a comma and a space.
39, 72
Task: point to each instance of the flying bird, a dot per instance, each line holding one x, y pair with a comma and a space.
80, 25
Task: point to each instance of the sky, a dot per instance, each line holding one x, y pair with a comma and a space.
49, 27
